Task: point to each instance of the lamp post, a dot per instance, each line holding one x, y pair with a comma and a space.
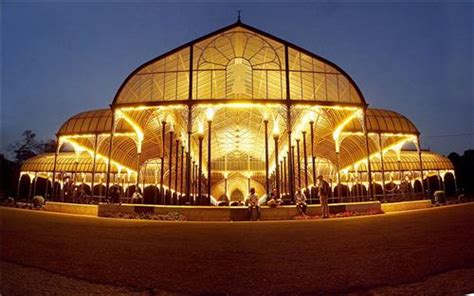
209, 116
170, 160
298, 161
267, 186
176, 168
285, 172
200, 137
382, 166
162, 170
305, 160
313, 156
276, 135
181, 177
193, 182
292, 162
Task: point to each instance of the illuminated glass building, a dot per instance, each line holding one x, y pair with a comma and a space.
246, 109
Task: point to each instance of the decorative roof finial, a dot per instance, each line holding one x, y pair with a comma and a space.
238, 16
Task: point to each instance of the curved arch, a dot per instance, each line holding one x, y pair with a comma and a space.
24, 186
449, 183
91, 123
302, 65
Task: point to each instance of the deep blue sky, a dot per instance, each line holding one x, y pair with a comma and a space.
62, 58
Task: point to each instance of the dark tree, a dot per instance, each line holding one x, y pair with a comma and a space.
29, 146
464, 170
25, 148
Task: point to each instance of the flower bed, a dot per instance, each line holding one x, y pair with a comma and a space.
171, 216
340, 215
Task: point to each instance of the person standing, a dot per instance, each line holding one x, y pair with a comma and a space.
300, 200
252, 202
323, 189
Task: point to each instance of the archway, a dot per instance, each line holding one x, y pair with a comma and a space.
236, 195
449, 184
24, 186
359, 192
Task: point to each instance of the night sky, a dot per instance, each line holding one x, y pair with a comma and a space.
59, 59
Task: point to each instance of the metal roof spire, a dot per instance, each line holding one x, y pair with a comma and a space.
238, 16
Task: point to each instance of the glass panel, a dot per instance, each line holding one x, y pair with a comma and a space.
295, 86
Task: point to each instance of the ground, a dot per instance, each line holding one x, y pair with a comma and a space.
429, 251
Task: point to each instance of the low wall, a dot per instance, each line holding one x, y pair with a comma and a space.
79, 209
211, 213
406, 206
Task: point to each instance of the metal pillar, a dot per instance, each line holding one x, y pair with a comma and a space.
36, 182
440, 183
137, 181
267, 185
277, 173
369, 167
170, 159
193, 181
305, 161
200, 168
94, 160
338, 176
298, 158
421, 168
176, 169
209, 124
109, 162
53, 190
292, 162
291, 179
313, 155
285, 173
30, 187
225, 187
181, 175
188, 153
383, 167
162, 170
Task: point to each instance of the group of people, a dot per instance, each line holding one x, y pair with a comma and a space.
275, 200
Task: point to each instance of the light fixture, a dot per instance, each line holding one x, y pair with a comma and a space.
210, 114
276, 128
200, 129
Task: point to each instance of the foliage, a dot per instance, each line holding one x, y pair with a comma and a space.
341, 215
464, 170
171, 216
30, 146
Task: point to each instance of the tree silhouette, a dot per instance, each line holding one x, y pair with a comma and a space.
29, 146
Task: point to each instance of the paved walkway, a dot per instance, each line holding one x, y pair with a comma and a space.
108, 256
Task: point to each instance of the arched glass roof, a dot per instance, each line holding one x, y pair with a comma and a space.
238, 62
409, 161
384, 121
92, 122
66, 162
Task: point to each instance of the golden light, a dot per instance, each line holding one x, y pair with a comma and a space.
210, 114
200, 128
276, 128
